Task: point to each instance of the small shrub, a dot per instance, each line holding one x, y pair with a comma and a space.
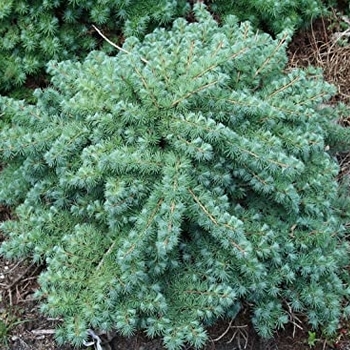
164, 186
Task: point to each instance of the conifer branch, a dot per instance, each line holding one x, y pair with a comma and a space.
284, 87
207, 213
258, 178
170, 222
189, 143
108, 252
213, 220
148, 224
193, 92
236, 145
190, 55
144, 82
316, 97
27, 145
278, 108
218, 48
272, 55
225, 59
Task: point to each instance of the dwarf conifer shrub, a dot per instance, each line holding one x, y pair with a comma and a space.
273, 16
32, 32
166, 185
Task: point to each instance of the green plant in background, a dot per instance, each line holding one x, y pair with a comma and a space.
270, 15
312, 339
34, 32
4, 333
8, 321
164, 186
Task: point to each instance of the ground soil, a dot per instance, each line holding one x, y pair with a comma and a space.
23, 327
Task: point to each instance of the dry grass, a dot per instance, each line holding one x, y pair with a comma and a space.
326, 44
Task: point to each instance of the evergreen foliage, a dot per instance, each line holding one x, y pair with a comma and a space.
166, 185
270, 15
34, 32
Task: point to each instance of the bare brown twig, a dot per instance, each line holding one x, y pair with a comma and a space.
115, 45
